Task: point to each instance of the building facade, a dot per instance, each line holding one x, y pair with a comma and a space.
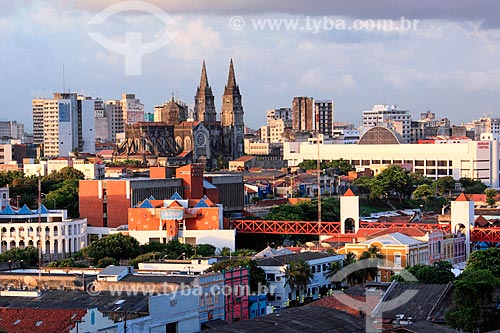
472, 159
303, 114
389, 116
323, 110
58, 235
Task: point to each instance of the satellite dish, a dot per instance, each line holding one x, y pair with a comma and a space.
310, 244
326, 245
30, 282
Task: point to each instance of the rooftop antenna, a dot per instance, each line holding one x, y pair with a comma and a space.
63, 78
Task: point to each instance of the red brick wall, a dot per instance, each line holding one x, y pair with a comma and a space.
192, 179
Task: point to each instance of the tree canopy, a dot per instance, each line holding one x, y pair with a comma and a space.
117, 246
439, 273
341, 167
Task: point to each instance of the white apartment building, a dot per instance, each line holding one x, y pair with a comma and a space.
46, 167
65, 123
58, 235
280, 293
389, 116
473, 159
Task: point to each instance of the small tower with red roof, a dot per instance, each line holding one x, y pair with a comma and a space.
462, 219
349, 212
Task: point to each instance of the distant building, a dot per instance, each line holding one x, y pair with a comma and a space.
389, 116
323, 109
303, 114
11, 130
65, 123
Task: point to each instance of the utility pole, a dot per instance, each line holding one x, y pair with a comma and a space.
318, 171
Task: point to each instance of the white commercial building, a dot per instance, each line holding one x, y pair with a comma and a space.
472, 159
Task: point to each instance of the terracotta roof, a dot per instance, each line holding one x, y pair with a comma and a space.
244, 158
22, 320
349, 193
462, 197
480, 220
412, 232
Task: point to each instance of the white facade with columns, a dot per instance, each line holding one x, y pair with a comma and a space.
59, 235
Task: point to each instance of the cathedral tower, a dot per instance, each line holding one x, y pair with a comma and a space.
232, 117
204, 105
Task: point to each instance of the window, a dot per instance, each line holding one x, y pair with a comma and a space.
397, 259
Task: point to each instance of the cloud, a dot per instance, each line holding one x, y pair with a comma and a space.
324, 80
478, 80
194, 41
454, 10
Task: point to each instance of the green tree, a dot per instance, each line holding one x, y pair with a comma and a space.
244, 252
153, 247
70, 262
177, 250
117, 246
28, 255
298, 274
491, 194
439, 273
422, 192
257, 274
445, 185
486, 259
65, 197
225, 252
205, 250
395, 180
473, 308
146, 257
372, 255
106, 261
472, 186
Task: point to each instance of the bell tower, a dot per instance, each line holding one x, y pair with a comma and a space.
233, 127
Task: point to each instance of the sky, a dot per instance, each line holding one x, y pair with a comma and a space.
447, 60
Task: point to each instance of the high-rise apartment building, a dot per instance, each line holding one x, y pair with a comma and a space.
303, 114
65, 123
389, 116
37, 107
324, 110
120, 113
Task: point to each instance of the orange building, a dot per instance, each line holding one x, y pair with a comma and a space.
163, 220
105, 202
399, 251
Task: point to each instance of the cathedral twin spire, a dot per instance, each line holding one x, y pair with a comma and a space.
204, 109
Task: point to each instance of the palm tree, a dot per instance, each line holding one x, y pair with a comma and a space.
372, 254
353, 278
298, 274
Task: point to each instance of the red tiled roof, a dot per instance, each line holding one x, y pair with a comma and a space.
39, 320
462, 197
412, 232
349, 193
333, 302
482, 221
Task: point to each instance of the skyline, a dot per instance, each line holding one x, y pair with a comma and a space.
447, 64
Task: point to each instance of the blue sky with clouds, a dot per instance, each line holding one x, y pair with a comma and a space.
449, 64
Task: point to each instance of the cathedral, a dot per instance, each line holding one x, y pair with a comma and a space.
199, 138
